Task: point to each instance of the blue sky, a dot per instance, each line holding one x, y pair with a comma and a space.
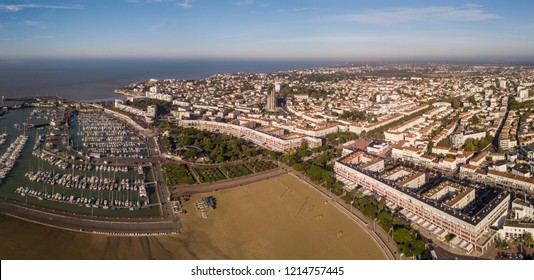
268, 29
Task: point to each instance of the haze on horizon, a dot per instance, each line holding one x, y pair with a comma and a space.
268, 30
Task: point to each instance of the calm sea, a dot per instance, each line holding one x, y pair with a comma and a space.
97, 79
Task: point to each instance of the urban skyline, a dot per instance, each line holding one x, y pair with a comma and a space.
250, 29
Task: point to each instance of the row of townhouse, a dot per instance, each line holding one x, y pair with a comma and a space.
358, 128
497, 177
408, 124
474, 230
448, 130
438, 109
418, 157
259, 138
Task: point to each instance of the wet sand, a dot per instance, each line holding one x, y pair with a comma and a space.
276, 219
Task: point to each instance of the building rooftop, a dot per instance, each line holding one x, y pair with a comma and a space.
473, 215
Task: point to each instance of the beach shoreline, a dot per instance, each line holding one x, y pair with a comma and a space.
243, 226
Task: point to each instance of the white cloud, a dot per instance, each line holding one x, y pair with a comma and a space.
185, 4
20, 7
181, 4
46, 37
34, 24
243, 3
432, 13
298, 10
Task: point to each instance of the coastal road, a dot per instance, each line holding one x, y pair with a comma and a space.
80, 223
443, 254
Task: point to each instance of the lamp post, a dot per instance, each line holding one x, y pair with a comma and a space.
352, 201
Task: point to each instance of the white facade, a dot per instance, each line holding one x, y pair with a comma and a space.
159, 96
522, 211
257, 137
469, 230
516, 230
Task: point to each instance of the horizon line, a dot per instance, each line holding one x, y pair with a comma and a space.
400, 60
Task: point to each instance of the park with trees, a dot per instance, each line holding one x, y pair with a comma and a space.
191, 143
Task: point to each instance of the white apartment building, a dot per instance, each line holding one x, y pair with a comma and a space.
119, 104
280, 144
159, 96
392, 136
472, 229
497, 177
515, 229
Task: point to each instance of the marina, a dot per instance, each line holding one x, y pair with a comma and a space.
81, 201
79, 165
48, 174
7, 161
104, 136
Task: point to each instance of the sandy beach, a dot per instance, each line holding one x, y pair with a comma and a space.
280, 218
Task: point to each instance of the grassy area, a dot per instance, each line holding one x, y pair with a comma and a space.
235, 171
177, 174
259, 166
210, 175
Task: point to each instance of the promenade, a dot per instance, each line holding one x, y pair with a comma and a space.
91, 224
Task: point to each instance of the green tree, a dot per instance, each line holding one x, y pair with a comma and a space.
219, 158
337, 187
386, 220
455, 102
402, 235
303, 153
469, 145
289, 159
418, 247
190, 153
370, 210
472, 100
320, 161
429, 147
475, 120
300, 166
315, 173
247, 152
528, 240
444, 143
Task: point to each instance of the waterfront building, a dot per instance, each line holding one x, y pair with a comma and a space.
439, 206
277, 143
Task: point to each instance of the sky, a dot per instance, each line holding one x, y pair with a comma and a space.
341, 30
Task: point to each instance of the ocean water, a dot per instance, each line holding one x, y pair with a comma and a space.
97, 79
